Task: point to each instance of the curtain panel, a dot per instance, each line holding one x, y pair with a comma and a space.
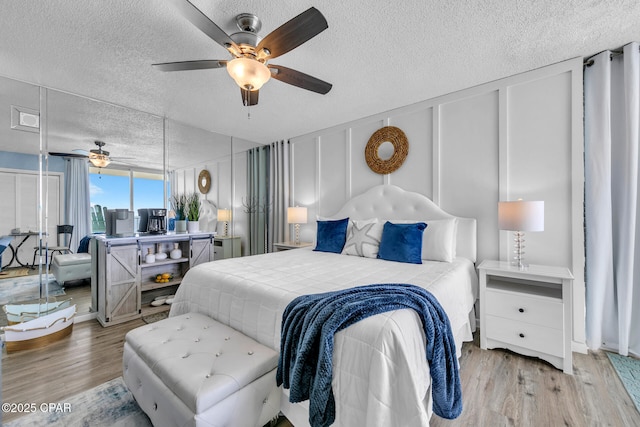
612, 129
280, 168
77, 200
268, 170
256, 206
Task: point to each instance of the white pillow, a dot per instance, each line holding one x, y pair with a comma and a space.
438, 239
363, 238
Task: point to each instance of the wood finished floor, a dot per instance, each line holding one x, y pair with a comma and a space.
500, 388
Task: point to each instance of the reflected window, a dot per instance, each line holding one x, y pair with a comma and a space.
123, 189
148, 189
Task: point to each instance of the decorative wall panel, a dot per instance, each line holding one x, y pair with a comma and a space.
519, 137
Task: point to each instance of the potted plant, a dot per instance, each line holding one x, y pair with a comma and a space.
179, 206
193, 212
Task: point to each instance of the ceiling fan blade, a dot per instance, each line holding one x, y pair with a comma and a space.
67, 155
121, 161
249, 97
191, 65
293, 33
299, 79
206, 25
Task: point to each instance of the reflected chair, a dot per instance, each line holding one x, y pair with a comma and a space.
65, 232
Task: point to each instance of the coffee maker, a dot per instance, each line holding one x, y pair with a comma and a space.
152, 221
119, 222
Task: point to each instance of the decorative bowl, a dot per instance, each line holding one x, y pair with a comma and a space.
163, 278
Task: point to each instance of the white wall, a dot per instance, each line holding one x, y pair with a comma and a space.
519, 137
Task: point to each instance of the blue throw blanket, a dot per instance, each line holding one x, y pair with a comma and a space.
83, 247
306, 347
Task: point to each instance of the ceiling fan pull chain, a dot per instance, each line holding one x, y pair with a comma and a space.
248, 104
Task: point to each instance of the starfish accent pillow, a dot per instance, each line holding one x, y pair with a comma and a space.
363, 238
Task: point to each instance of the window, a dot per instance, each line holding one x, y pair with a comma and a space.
123, 189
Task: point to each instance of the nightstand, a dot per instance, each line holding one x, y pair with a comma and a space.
527, 311
285, 246
226, 247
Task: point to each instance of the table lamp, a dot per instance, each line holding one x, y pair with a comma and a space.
224, 215
297, 215
520, 216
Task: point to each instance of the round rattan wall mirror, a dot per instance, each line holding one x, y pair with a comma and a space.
204, 181
377, 150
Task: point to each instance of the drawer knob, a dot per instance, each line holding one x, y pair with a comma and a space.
521, 335
521, 310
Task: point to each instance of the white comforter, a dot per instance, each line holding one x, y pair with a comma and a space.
380, 377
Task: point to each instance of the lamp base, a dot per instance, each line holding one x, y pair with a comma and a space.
297, 241
518, 249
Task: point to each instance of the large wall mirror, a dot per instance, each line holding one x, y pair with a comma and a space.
151, 158
194, 153
21, 180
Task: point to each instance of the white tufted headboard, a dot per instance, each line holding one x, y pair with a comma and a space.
389, 202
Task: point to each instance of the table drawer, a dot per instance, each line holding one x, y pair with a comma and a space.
524, 308
534, 337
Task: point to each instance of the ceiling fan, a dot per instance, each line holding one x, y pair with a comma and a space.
98, 157
250, 53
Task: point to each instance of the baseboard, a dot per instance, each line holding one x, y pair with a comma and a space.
85, 317
579, 347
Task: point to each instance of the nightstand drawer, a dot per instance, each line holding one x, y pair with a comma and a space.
534, 337
523, 308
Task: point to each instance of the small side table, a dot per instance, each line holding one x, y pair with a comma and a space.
226, 247
527, 311
285, 246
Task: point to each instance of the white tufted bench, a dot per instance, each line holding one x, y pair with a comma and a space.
190, 370
71, 267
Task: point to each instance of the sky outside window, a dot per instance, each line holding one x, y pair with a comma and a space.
111, 189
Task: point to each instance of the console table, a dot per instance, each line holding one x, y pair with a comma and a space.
125, 284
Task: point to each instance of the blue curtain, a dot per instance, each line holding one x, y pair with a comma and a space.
77, 200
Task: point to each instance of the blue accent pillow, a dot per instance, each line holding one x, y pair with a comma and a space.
402, 242
331, 235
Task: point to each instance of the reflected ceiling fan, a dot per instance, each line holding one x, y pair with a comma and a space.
98, 157
250, 53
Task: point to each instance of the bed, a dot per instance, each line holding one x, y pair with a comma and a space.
380, 374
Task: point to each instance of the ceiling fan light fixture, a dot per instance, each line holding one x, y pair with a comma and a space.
248, 73
99, 160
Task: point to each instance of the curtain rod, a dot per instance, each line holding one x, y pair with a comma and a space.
588, 62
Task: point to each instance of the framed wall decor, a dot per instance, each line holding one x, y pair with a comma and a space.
386, 150
204, 181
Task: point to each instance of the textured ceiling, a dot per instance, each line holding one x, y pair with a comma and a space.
378, 55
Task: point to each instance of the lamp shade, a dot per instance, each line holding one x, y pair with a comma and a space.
521, 216
297, 215
99, 160
248, 73
224, 214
